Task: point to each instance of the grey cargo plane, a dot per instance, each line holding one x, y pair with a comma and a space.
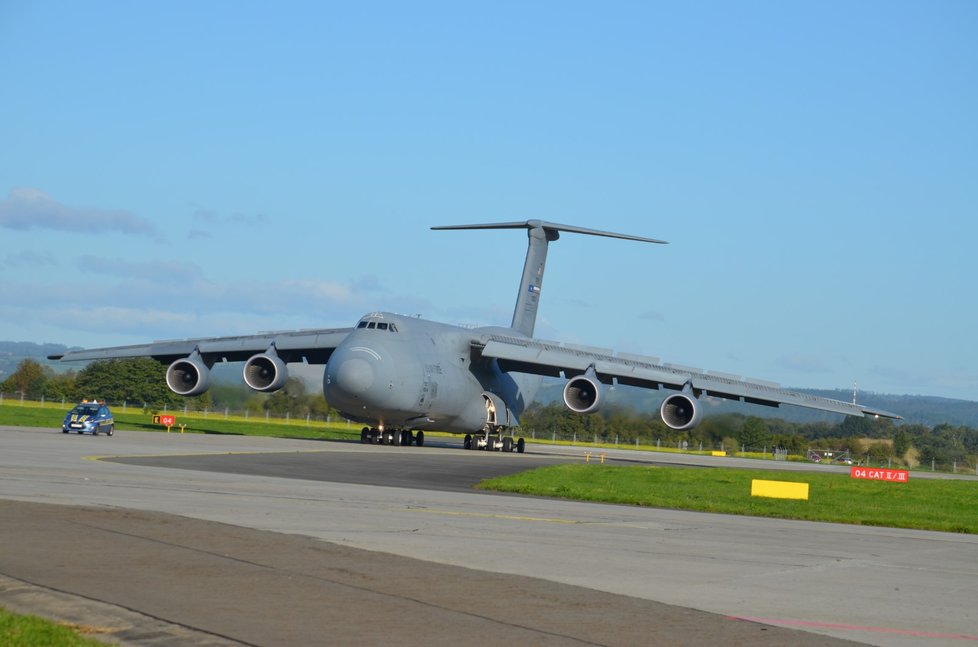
403, 375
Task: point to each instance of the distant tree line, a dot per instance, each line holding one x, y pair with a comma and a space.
141, 382
875, 440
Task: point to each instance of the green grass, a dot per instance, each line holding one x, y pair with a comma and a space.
30, 631
926, 504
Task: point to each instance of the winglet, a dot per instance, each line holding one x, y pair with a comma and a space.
879, 413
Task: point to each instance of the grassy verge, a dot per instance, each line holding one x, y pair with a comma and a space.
920, 503
30, 631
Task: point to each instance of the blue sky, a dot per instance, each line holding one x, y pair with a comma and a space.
195, 169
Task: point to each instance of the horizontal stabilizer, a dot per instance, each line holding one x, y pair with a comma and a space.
552, 226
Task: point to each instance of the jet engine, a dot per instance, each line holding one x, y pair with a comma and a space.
583, 394
681, 411
188, 376
265, 372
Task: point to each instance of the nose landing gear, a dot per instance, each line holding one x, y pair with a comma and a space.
493, 440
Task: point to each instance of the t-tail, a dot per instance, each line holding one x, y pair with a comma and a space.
540, 233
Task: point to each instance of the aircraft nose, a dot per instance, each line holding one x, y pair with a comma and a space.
354, 376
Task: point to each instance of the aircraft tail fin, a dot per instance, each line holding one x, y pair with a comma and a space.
540, 233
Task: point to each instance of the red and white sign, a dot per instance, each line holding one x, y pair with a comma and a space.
168, 421
880, 474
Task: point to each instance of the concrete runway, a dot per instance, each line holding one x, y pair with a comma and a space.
189, 539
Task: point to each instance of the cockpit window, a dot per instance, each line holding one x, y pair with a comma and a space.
377, 325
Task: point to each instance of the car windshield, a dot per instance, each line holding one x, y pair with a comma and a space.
86, 409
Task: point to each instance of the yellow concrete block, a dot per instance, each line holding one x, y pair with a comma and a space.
779, 489
715, 453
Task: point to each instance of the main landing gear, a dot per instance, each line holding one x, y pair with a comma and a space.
493, 441
372, 436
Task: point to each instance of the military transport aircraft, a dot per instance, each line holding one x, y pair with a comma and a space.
402, 375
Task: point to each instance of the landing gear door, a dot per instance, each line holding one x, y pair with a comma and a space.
497, 413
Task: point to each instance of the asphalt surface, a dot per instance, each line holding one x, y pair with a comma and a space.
224, 584
428, 468
194, 540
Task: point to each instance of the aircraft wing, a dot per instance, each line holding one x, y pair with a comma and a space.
553, 359
312, 346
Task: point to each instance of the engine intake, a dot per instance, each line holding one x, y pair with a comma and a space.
265, 372
681, 411
583, 394
188, 376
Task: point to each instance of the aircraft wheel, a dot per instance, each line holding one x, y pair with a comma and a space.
111, 430
419, 439
520, 445
467, 444
507, 444
365, 435
374, 437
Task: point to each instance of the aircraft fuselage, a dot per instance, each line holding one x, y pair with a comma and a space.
400, 372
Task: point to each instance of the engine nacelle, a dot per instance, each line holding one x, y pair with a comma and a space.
584, 393
188, 376
681, 411
265, 372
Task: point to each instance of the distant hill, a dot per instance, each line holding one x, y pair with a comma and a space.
924, 409
12, 353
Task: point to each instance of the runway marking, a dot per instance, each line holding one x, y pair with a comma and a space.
833, 625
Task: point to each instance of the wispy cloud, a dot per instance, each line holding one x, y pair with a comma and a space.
28, 259
208, 215
211, 220
27, 208
159, 300
651, 315
152, 271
